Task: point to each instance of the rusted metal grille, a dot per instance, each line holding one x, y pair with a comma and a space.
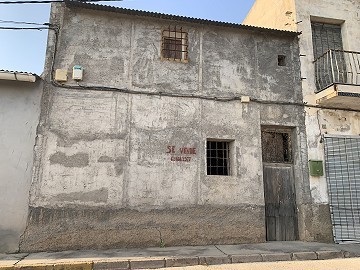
217, 156
276, 147
174, 44
332, 63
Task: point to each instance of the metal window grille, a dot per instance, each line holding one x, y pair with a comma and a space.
217, 157
343, 180
330, 59
174, 44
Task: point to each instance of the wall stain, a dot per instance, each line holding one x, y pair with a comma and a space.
105, 159
78, 160
119, 165
96, 196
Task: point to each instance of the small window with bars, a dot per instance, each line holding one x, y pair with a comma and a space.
174, 44
218, 157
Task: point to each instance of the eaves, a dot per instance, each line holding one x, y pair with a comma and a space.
139, 13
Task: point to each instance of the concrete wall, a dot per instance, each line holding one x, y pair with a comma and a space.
276, 14
103, 175
19, 117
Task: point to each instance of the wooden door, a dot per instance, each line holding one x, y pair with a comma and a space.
280, 203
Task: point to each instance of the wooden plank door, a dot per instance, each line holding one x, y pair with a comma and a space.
280, 202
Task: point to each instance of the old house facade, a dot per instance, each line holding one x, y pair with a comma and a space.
165, 130
20, 95
330, 71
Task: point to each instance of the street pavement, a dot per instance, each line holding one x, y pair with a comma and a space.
182, 256
335, 264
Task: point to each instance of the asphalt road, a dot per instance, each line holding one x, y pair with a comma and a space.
336, 264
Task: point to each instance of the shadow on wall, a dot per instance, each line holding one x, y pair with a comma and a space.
9, 240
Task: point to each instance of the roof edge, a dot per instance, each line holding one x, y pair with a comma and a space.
133, 12
18, 76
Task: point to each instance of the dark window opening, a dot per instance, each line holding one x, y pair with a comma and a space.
281, 60
174, 44
217, 158
276, 147
330, 59
172, 48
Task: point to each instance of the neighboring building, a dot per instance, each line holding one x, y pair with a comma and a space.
158, 140
330, 67
20, 95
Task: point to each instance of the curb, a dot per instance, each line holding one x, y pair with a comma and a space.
154, 263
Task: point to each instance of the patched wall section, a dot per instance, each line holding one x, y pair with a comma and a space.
116, 169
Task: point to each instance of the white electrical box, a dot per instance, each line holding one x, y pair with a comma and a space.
77, 73
245, 99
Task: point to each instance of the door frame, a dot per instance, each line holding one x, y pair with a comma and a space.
291, 164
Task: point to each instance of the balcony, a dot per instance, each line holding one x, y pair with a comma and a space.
337, 76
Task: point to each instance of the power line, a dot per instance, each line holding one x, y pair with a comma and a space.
25, 28
16, 22
30, 2
51, 1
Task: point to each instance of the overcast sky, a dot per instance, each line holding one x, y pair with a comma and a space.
24, 50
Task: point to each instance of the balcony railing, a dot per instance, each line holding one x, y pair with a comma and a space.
337, 67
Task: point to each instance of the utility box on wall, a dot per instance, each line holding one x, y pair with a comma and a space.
316, 167
77, 73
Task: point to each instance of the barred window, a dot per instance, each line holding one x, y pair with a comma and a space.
217, 157
174, 44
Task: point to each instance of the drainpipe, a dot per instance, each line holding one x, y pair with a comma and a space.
17, 76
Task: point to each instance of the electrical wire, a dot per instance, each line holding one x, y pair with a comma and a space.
29, 2
169, 94
51, 1
28, 23
24, 28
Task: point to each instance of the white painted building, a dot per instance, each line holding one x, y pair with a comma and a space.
20, 95
330, 71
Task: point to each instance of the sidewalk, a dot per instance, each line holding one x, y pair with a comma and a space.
150, 258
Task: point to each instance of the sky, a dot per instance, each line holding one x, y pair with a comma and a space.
24, 50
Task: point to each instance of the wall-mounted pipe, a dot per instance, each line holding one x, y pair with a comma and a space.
17, 76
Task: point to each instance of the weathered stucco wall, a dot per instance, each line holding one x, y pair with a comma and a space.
103, 175
19, 117
276, 14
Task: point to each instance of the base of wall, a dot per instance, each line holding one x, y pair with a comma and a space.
104, 228
9, 241
322, 226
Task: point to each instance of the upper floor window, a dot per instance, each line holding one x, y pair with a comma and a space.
325, 37
174, 45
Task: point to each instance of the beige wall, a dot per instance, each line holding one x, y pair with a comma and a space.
346, 14
273, 14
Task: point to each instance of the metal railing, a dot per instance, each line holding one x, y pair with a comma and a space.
337, 66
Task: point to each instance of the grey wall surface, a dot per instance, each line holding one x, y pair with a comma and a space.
19, 117
103, 175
